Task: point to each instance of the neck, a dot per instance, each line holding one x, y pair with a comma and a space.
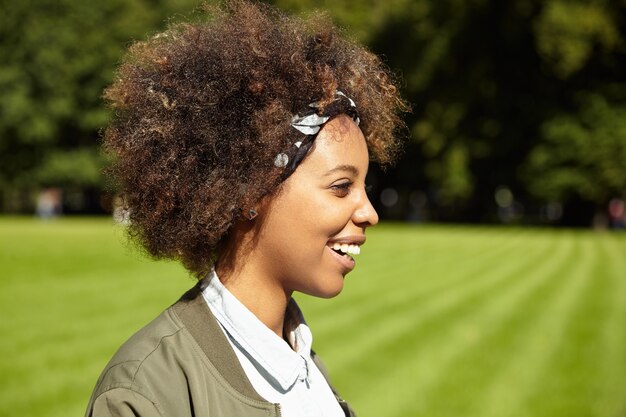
262, 295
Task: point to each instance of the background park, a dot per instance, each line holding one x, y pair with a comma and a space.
496, 282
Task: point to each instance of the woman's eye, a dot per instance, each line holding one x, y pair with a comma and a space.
342, 189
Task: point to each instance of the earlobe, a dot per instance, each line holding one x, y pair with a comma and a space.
250, 214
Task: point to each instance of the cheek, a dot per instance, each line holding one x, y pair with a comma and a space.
326, 216
304, 219
290, 228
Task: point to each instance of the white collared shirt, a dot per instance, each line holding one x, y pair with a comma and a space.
279, 373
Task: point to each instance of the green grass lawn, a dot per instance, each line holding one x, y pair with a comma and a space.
435, 321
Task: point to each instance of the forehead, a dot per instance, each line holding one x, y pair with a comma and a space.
340, 142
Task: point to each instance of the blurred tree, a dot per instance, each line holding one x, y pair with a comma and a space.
568, 32
582, 154
494, 82
580, 157
360, 18
472, 71
57, 56
526, 94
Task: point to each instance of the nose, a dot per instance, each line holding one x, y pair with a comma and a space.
365, 215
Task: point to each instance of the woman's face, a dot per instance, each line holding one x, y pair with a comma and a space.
321, 206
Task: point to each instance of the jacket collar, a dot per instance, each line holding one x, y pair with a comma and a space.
197, 318
275, 359
194, 313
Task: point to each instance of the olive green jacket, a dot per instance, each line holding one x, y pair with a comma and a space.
181, 364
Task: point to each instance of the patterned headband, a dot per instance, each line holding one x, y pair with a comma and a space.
310, 123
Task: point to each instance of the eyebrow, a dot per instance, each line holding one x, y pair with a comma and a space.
348, 168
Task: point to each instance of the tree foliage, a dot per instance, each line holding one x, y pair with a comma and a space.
526, 94
582, 154
57, 56
494, 83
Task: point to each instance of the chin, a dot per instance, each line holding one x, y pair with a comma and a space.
328, 295
332, 289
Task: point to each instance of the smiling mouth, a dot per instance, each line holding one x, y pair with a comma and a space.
345, 249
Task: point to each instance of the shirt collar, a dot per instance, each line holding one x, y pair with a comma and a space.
260, 344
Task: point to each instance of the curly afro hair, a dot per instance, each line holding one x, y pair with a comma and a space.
201, 111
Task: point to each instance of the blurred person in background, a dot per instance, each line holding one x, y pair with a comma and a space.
49, 203
241, 144
617, 214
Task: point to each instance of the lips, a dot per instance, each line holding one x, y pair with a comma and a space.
346, 261
342, 248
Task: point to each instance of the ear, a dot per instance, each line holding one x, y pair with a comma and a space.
264, 204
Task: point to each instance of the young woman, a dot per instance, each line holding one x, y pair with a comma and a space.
242, 144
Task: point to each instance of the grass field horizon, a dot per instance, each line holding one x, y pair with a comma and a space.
435, 321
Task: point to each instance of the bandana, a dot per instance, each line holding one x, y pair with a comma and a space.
310, 123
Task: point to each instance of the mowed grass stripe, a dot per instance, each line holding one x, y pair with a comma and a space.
449, 343
386, 293
72, 293
407, 281
577, 381
394, 258
538, 342
394, 321
413, 258
417, 307
420, 250
510, 321
427, 361
611, 401
82, 303
611, 395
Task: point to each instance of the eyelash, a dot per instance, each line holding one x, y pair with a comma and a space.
343, 188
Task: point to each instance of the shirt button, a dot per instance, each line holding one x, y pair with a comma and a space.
304, 372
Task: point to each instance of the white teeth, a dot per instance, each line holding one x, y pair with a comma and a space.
346, 248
